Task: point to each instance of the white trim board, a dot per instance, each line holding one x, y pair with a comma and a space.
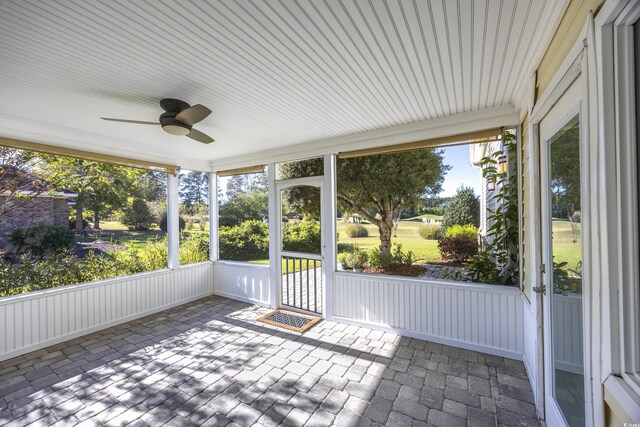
445, 126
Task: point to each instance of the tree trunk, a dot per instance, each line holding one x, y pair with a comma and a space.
385, 237
79, 218
96, 219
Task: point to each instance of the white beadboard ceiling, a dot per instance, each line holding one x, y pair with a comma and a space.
275, 73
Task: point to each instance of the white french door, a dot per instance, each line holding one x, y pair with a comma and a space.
562, 183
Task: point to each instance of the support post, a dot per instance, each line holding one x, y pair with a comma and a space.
329, 212
173, 224
213, 217
274, 218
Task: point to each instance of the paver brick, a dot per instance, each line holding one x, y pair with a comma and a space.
412, 409
397, 419
244, 415
378, 410
455, 408
442, 419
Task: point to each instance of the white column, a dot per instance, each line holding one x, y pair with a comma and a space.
274, 219
173, 224
213, 217
329, 232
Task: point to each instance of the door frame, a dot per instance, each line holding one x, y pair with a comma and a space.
578, 66
568, 106
280, 185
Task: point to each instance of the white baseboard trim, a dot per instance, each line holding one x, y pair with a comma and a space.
87, 331
440, 340
569, 367
530, 374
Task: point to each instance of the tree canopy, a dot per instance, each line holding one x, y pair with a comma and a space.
194, 188
100, 186
18, 180
462, 209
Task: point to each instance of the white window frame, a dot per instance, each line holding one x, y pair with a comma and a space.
617, 135
627, 177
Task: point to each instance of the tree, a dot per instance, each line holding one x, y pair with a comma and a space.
194, 188
100, 186
565, 174
244, 207
19, 181
137, 216
376, 187
152, 187
462, 209
235, 185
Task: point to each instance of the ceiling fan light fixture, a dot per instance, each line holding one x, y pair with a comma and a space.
176, 129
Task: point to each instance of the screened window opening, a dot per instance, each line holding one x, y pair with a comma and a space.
243, 201
66, 220
446, 212
193, 216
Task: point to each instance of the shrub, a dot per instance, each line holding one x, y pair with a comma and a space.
60, 269
430, 231
436, 210
576, 216
379, 260
163, 222
194, 249
137, 216
462, 209
400, 257
303, 236
357, 258
357, 230
247, 241
42, 240
470, 231
457, 249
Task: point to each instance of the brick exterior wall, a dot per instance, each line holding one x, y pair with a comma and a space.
38, 211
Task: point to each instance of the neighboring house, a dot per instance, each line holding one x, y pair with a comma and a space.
34, 205
487, 200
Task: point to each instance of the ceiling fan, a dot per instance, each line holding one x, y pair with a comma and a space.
177, 119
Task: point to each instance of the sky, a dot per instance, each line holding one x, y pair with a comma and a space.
461, 173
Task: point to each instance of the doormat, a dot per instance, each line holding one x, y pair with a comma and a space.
289, 320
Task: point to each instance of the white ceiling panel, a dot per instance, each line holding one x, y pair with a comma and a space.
274, 73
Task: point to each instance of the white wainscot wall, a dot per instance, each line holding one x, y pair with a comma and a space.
38, 319
478, 317
567, 331
242, 281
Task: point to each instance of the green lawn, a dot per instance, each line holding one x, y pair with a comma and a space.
408, 236
564, 249
115, 232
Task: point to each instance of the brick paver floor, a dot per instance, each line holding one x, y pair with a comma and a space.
210, 363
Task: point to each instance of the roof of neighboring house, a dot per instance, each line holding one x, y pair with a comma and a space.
24, 182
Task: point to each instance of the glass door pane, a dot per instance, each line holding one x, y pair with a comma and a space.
566, 291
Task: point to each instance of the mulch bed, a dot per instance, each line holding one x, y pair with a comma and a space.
398, 270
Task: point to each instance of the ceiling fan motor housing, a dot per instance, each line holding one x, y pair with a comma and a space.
168, 121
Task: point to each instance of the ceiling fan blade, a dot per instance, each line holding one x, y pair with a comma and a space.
200, 137
194, 114
137, 122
